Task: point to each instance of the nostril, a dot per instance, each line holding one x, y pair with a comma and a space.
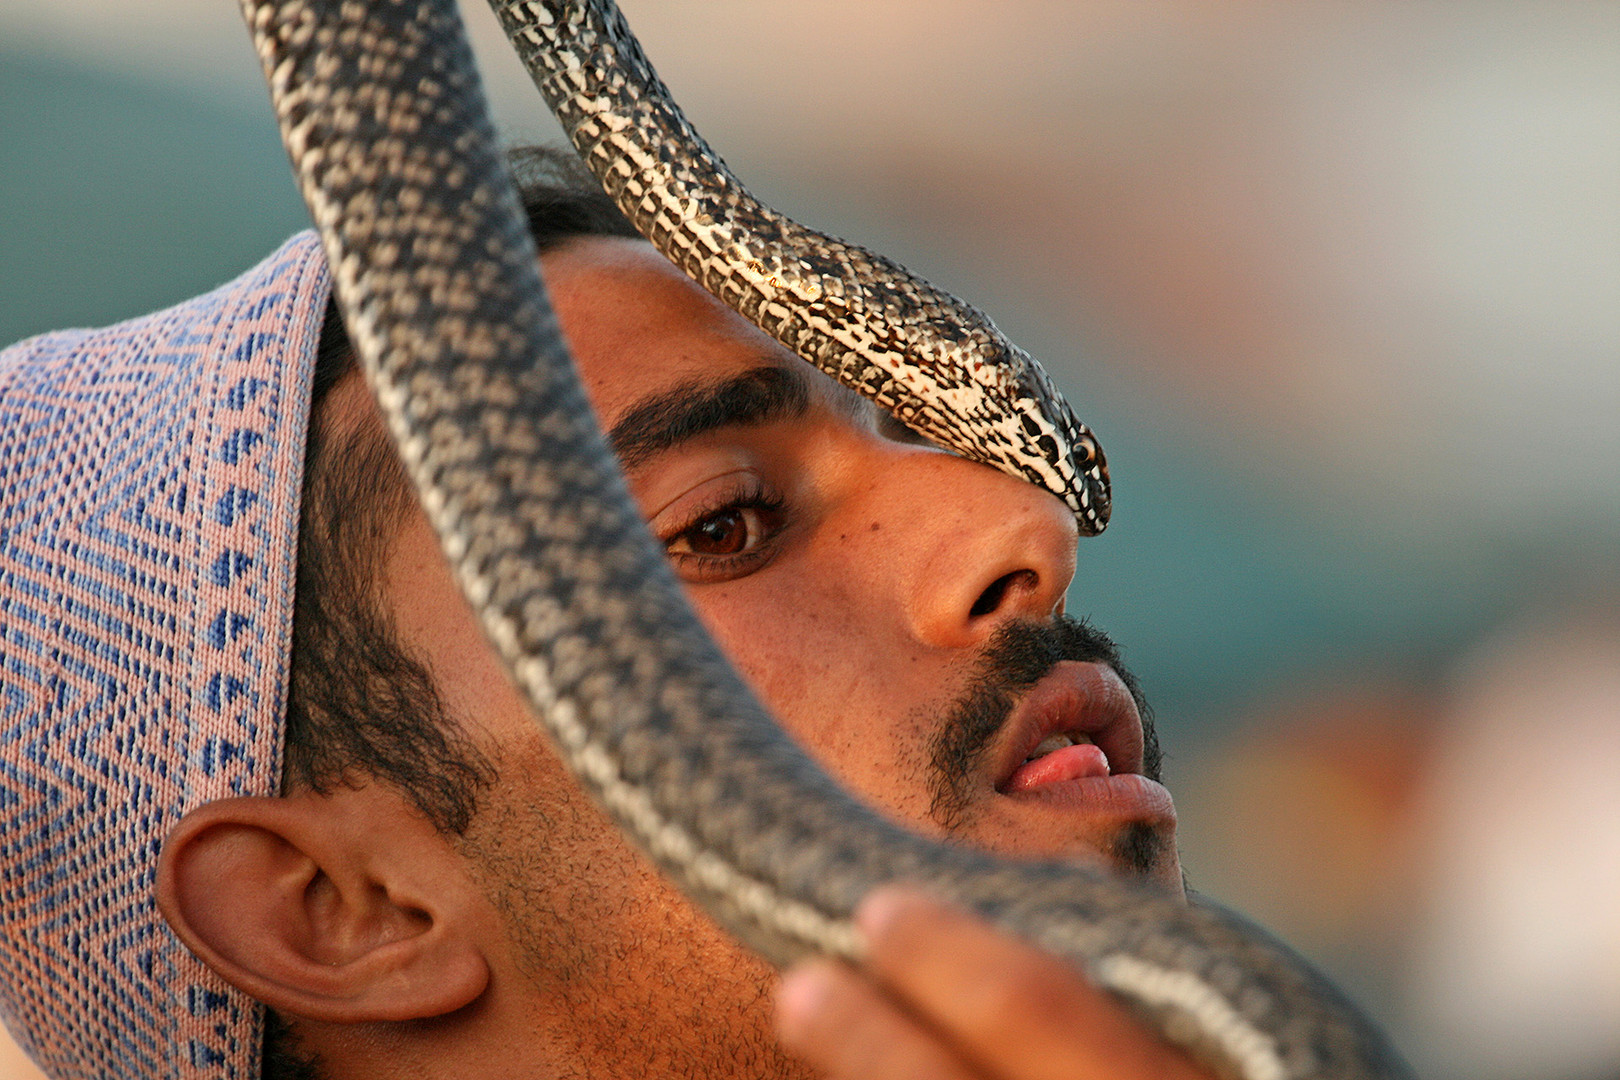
992, 597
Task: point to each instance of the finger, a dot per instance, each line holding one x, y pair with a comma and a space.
835, 1019
1017, 1012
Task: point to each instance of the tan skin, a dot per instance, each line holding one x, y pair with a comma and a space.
539, 944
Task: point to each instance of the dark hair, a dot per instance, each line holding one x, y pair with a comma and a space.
359, 705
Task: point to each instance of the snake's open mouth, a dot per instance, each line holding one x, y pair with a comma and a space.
1078, 722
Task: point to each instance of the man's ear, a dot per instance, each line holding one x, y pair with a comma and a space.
346, 907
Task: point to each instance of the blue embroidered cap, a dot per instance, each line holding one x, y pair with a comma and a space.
149, 495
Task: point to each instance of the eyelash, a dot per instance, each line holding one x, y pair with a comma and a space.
744, 495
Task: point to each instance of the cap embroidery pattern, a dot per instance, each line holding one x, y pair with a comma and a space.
149, 494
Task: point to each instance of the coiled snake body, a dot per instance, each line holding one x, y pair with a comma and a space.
384, 120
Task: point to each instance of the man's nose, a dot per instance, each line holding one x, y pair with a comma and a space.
984, 548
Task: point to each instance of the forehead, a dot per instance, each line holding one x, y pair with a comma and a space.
637, 326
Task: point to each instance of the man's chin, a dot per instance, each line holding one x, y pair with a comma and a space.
1148, 853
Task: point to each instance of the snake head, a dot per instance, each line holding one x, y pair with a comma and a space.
1092, 468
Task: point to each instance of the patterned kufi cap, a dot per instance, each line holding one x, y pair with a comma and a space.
149, 487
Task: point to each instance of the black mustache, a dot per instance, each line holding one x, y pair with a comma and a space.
1017, 657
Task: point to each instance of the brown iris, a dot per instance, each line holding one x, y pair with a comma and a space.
725, 533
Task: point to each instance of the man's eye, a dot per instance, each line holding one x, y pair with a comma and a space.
731, 531
734, 536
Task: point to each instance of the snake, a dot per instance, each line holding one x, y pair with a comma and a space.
385, 122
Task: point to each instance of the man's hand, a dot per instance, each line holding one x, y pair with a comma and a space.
945, 996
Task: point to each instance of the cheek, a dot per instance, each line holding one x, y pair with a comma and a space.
789, 651
849, 691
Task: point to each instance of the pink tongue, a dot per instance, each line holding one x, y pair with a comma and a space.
1068, 763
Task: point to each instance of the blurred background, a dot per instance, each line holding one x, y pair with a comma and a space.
1337, 285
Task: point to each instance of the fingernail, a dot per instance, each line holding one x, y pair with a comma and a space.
800, 997
882, 908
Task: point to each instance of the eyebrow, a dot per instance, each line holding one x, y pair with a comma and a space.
659, 422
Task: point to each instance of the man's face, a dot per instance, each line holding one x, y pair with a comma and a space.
893, 605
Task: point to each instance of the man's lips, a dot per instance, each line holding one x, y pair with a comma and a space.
1086, 702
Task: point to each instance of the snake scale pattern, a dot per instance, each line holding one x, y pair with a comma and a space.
384, 119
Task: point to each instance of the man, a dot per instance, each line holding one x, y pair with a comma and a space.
429, 892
